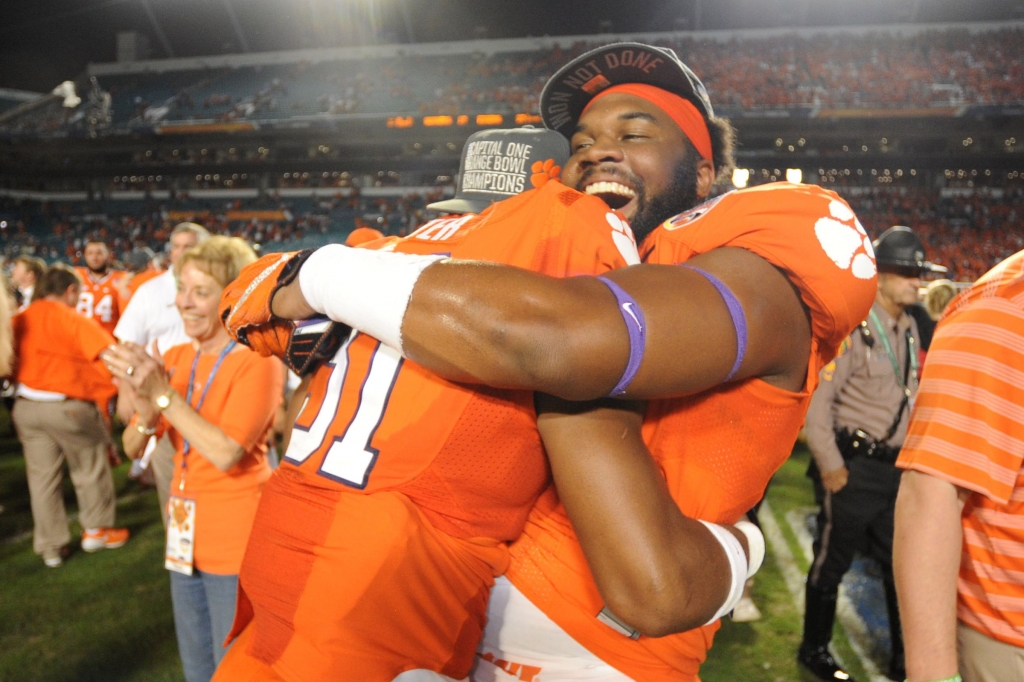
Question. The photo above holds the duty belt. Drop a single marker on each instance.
(857, 443)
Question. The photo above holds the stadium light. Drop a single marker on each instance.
(740, 177)
(794, 175)
(66, 90)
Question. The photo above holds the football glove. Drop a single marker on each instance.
(246, 301)
(302, 345)
(246, 314)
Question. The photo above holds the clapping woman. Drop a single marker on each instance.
(217, 399)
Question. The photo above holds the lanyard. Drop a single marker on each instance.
(202, 397)
(911, 354)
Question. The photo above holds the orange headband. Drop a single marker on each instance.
(683, 112)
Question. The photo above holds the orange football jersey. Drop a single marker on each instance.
(717, 449)
(377, 540)
(99, 298)
(140, 278)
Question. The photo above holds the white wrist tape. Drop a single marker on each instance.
(737, 565)
(367, 290)
(755, 546)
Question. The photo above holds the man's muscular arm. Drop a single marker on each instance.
(657, 570)
(506, 327)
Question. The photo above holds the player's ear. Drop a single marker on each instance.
(705, 177)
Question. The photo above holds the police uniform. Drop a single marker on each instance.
(858, 419)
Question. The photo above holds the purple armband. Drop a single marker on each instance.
(739, 320)
(637, 329)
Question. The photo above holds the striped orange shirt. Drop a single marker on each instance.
(968, 428)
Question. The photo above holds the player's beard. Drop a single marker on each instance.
(679, 196)
(100, 271)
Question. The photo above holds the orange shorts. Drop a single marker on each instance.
(339, 586)
(239, 666)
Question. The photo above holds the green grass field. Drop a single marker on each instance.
(107, 616)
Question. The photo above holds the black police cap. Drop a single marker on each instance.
(900, 249)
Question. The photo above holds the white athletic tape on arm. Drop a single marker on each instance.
(755, 546)
(737, 565)
(365, 289)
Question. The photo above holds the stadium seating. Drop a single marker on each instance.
(963, 229)
(948, 67)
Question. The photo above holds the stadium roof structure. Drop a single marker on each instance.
(45, 42)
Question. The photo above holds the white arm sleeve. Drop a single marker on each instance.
(367, 290)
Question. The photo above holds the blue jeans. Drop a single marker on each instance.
(204, 607)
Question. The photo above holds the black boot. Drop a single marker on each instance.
(819, 615)
(897, 664)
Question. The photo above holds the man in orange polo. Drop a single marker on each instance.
(60, 379)
(959, 543)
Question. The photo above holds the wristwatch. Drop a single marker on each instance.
(164, 401)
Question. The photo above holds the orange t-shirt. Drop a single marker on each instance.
(241, 402)
(717, 449)
(408, 485)
(966, 429)
(58, 350)
(100, 299)
(141, 278)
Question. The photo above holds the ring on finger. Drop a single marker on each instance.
(130, 371)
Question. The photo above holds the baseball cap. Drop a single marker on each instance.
(140, 258)
(498, 164)
(362, 235)
(566, 94)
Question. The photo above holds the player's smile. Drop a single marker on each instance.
(624, 151)
(614, 187)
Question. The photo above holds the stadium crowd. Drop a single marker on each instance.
(951, 67)
(58, 231)
(966, 230)
(877, 70)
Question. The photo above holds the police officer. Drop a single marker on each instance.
(855, 426)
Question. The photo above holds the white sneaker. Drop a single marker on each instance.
(53, 559)
(746, 611)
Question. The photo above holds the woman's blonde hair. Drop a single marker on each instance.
(220, 257)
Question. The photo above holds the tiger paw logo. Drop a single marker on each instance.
(623, 238)
(544, 171)
(178, 512)
(845, 241)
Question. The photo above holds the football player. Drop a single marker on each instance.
(378, 539)
(742, 300)
(99, 298)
